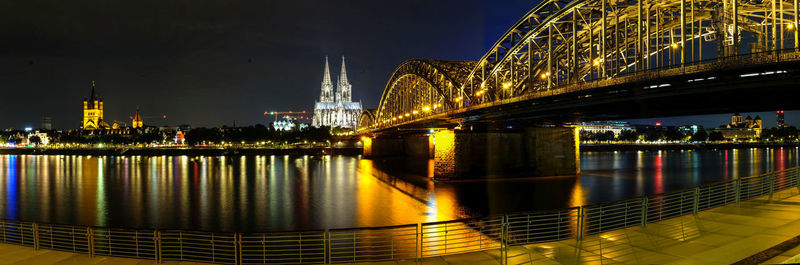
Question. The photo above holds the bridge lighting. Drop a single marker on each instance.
(435, 106)
(415, 112)
(790, 26)
(506, 84)
(458, 99)
(674, 45)
(545, 75)
(426, 109)
(596, 62)
(408, 114)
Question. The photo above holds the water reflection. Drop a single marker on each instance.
(279, 193)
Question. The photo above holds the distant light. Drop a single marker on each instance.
(510, 127)
(658, 124)
(28, 129)
(430, 131)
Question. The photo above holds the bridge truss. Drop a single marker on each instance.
(568, 42)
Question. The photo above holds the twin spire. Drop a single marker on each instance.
(343, 86)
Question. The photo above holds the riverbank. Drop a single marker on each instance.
(680, 146)
(182, 151)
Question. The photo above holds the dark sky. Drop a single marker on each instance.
(208, 63)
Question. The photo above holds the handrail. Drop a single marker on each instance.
(410, 241)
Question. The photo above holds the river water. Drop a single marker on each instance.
(282, 193)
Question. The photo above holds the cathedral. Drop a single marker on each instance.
(336, 109)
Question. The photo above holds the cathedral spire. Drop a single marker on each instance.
(343, 93)
(343, 77)
(327, 85)
(326, 78)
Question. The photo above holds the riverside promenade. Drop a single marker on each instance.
(723, 235)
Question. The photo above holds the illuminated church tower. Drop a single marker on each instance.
(93, 112)
(137, 120)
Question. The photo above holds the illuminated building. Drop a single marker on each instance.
(779, 115)
(137, 120)
(748, 129)
(604, 126)
(336, 109)
(180, 137)
(288, 124)
(93, 112)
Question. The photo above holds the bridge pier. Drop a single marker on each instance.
(534, 151)
(413, 146)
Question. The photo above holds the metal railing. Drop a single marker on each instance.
(403, 242)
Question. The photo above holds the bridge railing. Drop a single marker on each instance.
(403, 242)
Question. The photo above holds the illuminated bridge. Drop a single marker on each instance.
(572, 60)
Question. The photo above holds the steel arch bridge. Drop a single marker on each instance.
(566, 43)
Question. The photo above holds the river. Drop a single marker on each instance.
(283, 193)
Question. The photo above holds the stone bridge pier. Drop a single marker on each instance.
(461, 154)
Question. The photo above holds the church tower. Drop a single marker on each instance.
(92, 111)
(137, 120)
(327, 85)
(343, 93)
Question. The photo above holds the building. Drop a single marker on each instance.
(137, 120)
(336, 109)
(689, 129)
(748, 123)
(780, 122)
(289, 124)
(93, 112)
(47, 123)
(738, 129)
(604, 126)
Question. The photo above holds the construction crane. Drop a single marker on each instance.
(287, 114)
(164, 116)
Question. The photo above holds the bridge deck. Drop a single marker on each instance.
(722, 235)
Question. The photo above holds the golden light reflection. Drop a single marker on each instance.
(578, 197)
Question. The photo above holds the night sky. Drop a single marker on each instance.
(208, 63)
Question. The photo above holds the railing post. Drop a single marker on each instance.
(504, 236)
(157, 238)
(696, 200)
(644, 211)
(326, 247)
(90, 240)
(237, 246)
(419, 241)
(737, 190)
(35, 232)
(580, 224)
(771, 185)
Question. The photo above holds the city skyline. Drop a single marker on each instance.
(226, 62)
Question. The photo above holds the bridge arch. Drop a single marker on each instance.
(576, 41)
(419, 88)
(366, 119)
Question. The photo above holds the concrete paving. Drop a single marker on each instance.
(722, 235)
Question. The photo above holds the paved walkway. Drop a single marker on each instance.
(721, 235)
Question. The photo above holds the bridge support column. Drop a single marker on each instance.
(496, 154)
(414, 146)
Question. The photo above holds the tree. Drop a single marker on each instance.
(700, 136)
(628, 135)
(35, 140)
(673, 134)
(715, 136)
